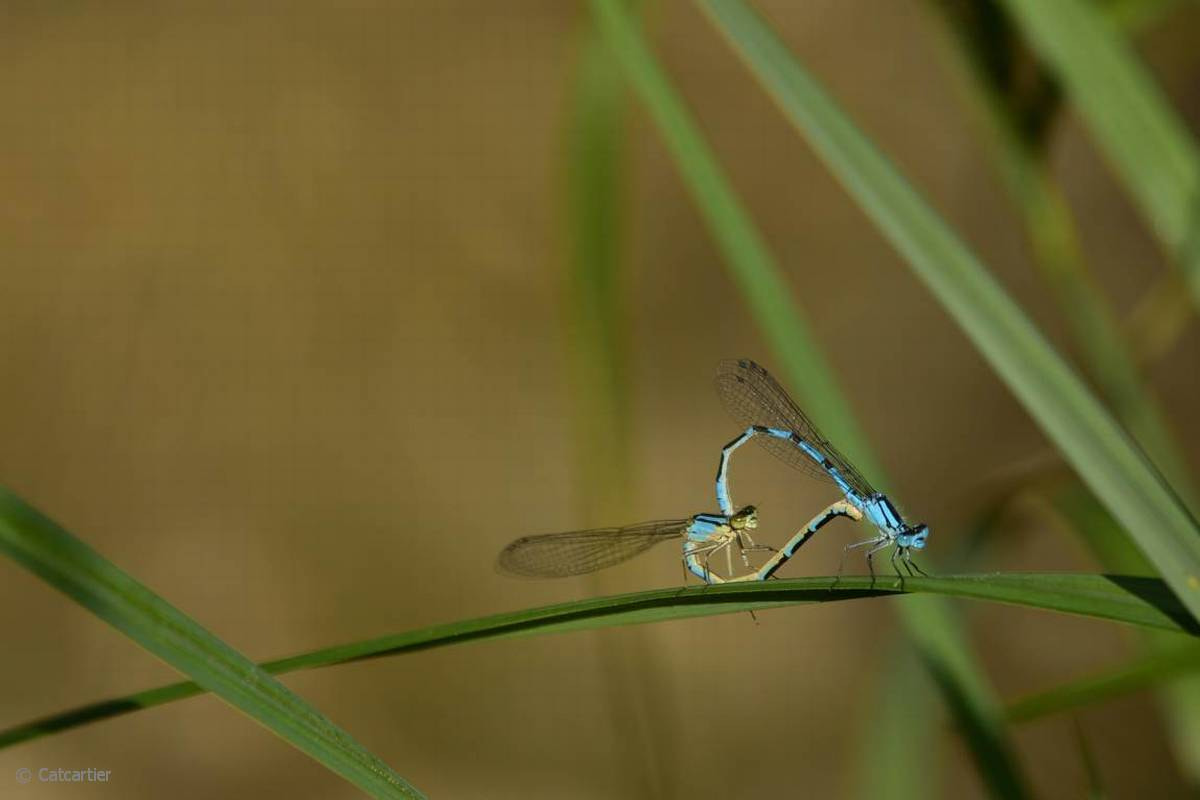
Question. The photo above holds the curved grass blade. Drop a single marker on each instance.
(1160, 667)
(1092, 442)
(1144, 140)
(760, 281)
(1143, 602)
(70, 566)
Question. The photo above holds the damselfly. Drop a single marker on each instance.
(560, 555)
(755, 399)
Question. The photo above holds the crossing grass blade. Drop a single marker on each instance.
(1159, 667)
(1017, 112)
(1018, 100)
(70, 566)
(1145, 141)
(767, 296)
(1091, 441)
(1138, 601)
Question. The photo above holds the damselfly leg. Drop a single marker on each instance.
(871, 556)
(747, 545)
(908, 562)
(900, 575)
(707, 551)
(846, 550)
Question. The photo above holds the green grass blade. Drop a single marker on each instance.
(1144, 140)
(1135, 16)
(938, 644)
(1159, 319)
(1095, 781)
(596, 351)
(1155, 669)
(596, 317)
(1017, 114)
(1143, 602)
(1179, 700)
(1092, 442)
(899, 720)
(766, 294)
(70, 566)
(750, 263)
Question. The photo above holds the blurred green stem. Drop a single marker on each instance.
(1160, 317)
(596, 355)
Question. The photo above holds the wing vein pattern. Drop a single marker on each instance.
(753, 397)
(559, 555)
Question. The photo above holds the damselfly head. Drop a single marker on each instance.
(745, 518)
(914, 537)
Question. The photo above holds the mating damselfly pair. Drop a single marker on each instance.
(757, 401)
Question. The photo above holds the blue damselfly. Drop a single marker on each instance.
(756, 400)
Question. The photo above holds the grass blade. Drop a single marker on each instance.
(898, 718)
(597, 354)
(1092, 442)
(1017, 113)
(760, 281)
(750, 263)
(70, 566)
(1179, 700)
(1144, 140)
(596, 315)
(1143, 602)
(1159, 667)
(969, 699)
(1095, 781)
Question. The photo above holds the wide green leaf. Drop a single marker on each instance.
(70, 566)
(1088, 437)
(1144, 602)
(1145, 141)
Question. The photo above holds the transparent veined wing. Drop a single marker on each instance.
(559, 555)
(753, 397)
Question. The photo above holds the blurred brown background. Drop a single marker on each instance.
(283, 336)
